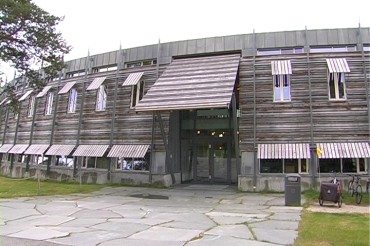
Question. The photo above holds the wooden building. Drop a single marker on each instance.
(243, 109)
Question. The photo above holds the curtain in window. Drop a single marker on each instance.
(101, 98)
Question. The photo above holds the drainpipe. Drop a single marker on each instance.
(31, 133)
(254, 113)
(367, 89)
(6, 124)
(119, 65)
(87, 65)
(54, 119)
(4, 133)
(313, 160)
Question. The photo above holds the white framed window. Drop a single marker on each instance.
(72, 101)
(337, 86)
(267, 52)
(31, 106)
(330, 49)
(137, 93)
(88, 162)
(101, 98)
(49, 103)
(284, 165)
(132, 164)
(281, 88)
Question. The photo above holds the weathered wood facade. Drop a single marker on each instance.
(308, 117)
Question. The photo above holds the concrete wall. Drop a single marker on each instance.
(276, 183)
(88, 176)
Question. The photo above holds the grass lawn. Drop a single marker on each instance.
(334, 229)
(10, 187)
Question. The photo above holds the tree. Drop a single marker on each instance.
(28, 38)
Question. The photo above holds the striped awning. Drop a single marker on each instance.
(3, 101)
(284, 151)
(60, 150)
(338, 65)
(44, 91)
(343, 150)
(133, 79)
(36, 149)
(193, 83)
(96, 83)
(18, 149)
(128, 151)
(281, 67)
(25, 95)
(5, 148)
(91, 150)
(67, 87)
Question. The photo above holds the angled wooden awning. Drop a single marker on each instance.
(128, 151)
(67, 87)
(5, 148)
(281, 67)
(284, 151)
(44, 91)
(36, 149)
(343, 150)
(96, 83)
(25, 95)
(60, 150)
(193, 83)
(91, 150)
(133, 79)
(338, 65)
(18, 149)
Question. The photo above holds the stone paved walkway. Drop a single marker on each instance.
(190, 215)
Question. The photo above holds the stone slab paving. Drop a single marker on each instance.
(193, 215)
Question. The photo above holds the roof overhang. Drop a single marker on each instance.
(193, 83)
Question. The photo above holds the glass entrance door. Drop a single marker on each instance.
(211, 163)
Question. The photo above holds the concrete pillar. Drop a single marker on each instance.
(247, 163)
(158, 165)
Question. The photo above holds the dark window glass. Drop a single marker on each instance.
(271, 166)
(329, 165)
(349, 165)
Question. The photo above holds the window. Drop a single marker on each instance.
(72, 101)
(266, 52)
(49, 103)
(138, 164)
(31, 106)
(328, 49)
(66, 161)
(343, 165)
(283, 165)
(101, 98)
(366, 47)
(281, 88)
(140, 63)
(137, 93)
(337, 87)
(94, 162)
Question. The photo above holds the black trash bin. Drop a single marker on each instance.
(292, 189)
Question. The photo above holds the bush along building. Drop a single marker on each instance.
(243, 109)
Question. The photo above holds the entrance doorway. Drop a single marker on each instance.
(212, 163)
(207, 149)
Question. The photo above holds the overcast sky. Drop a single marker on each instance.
(101, 25)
